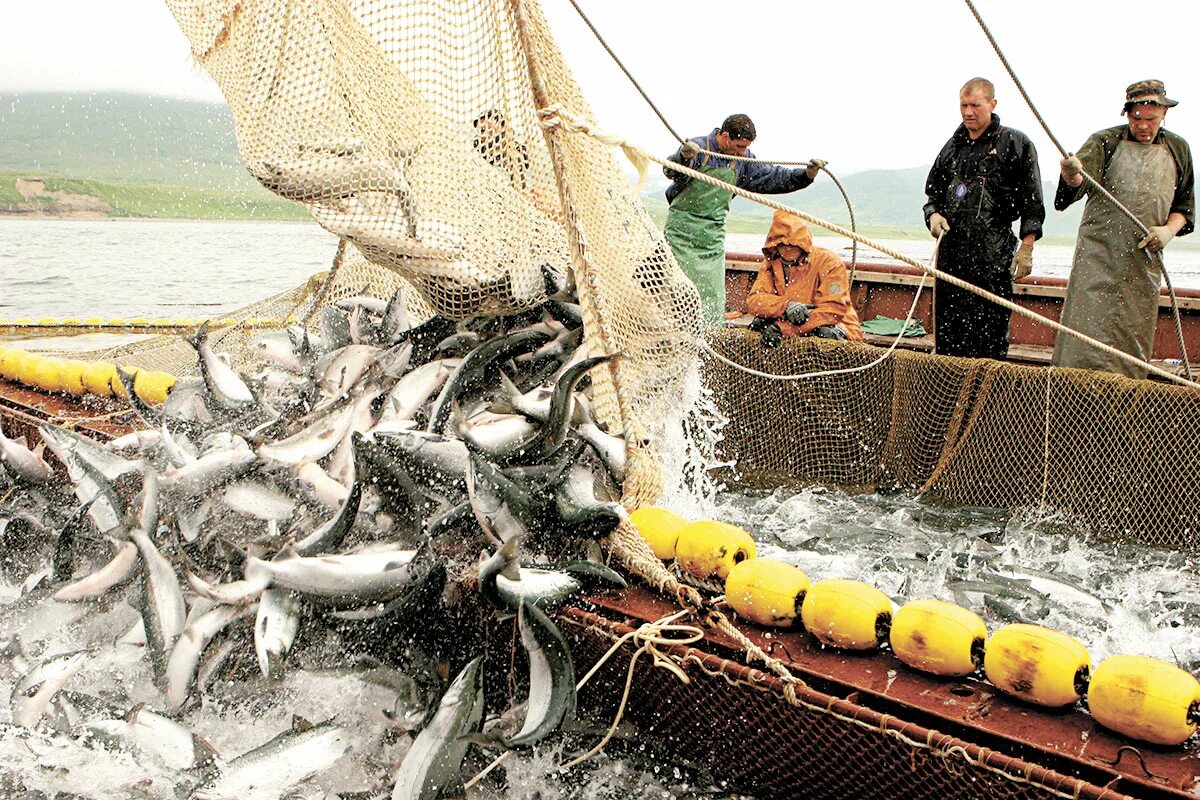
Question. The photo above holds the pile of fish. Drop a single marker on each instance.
(369, 481)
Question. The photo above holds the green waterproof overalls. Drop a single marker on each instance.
(1113, 292)
(696, 232)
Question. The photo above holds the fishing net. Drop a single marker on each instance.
(1100, 452)
(428, 137)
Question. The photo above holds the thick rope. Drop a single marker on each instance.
(1093, 184)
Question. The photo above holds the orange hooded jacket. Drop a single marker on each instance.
(821, 280)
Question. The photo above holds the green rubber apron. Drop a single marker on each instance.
(696, 232)
(1113, 292)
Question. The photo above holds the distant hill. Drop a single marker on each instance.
(154, 156)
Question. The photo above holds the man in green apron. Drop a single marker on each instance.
(696, 219)
(1113, 292)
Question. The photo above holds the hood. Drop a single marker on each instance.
(787, 228)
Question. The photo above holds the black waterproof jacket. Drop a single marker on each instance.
(987, 184)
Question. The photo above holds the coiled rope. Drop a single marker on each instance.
(681, 140)
(1093, 184)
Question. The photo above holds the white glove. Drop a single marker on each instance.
(1157, 239)
(938, 226)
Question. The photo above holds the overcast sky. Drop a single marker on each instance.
(866, 85)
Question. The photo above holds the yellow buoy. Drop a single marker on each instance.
(849, 614)
(72, 377)
(49, 322)
(766, 591)
(8, 362)
(710, 549)
(93, 321)
(160, 322)
(1144, 698)
(1037, 664)
(938, 637)
(153, 386)
(140, 322)
(70, 321)
(18, 365)
(660, 528)
(22, 321)
(117, 322)
(99, 377)
(45, 373)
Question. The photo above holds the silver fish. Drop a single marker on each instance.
(275, 628)
(551, 678)
(185, 655)
(146, 733)
(223, 382)
(271, 768)
(432, 766)
(119, 569)
(23, 463)
(34, 690)
(350, 579)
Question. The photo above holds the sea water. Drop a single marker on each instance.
(1115, 598)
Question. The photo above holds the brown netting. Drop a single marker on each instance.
(805, 744)
(1109, 453)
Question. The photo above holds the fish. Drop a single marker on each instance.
(147, 734)
(478, 369)
(432, 767)
(225, 386)
(118, 570)
(331, 535)
(284, 761)
(347, 579)
(551, 678)
(21, 462)
(275, 626)
(325, 176)
(185, 655)
(33, 691)
(163, 609)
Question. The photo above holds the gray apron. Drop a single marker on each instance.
(1113, 292)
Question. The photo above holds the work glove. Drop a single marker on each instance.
(689, 150)
(814, 166)
(771, 336)
(1071, 166)
(938, 226)
(795, 313)
(1157, 239)
(1022, 263)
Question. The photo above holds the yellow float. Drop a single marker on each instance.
(1144, 698)
(711, 549)
(660, 528)
(766, 591)
(1037, 664)
(938, 637)
(848, 614)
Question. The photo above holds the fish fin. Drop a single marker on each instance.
(131, 714)
(512, 565)
(300, 724)
(206, 755)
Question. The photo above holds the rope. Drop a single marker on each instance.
(1093, 184)
(681, 140)
(338, 259)
(649, 634)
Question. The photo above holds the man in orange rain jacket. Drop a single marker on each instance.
(801, 290)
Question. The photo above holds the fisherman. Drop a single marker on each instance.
(1113, 292)
(495, 142)
(801, 290)
(984, 179)
(696, 219)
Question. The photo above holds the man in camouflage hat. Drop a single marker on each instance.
(1113, 292)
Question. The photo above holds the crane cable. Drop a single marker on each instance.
(1092, 184)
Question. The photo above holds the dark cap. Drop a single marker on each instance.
(1148, 91)
(739, 126)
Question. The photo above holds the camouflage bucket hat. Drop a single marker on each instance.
(1148, 91)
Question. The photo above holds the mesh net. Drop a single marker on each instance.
(426, 136)
(1104, 452)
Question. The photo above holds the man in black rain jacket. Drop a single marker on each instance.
(984, 179)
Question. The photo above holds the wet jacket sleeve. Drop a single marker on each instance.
(1028, 183)
(937, 183)
(679, 181)
(831, 297)
(764, 299)
(1184, 201)
(771, 178)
